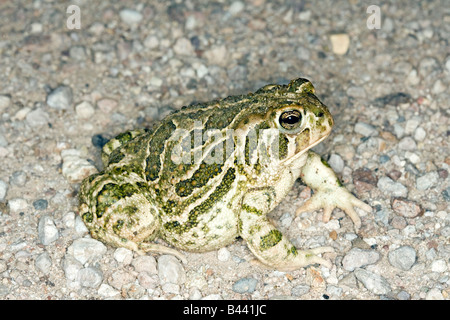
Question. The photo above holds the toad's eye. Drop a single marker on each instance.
(291, 119)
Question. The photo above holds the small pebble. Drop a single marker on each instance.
(60, 98)
(121, 278)
(392, 188)
(145, 264)
(40, 204)
(47, 230)
(357, 258)
(17, 205)
(84, 110)
(236, 7)
(434, 294)
(402, 258)
(3, 190)
(427, 181)
(223, 254)
(107, 105)
(336, 163)
(71, 266)
(171, 270)
(365, 129)
(406, 208)
(18, 178)
(439, 266)
(364, 180)
(373, 282)
(106, 291)
(408, 144)
(245, 285)
(300, 290)
(123, 255)
(86, 249)
(75, 168)
(90, 277)
(130, 17)
(43, 262)
(183, 47)
(37, 118)
(398, 222)
(5, 101)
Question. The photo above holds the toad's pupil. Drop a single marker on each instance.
(291, 119)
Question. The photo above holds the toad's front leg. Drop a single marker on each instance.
(329, 193)
(267, 243)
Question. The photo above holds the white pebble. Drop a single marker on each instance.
(17, 205)
(420, 134)
(223, 254)
(60, 98)
(130, 17)
(84, 110)
(123, 255)
(47, 230)
(439, 266)
(86, 249)
(3, 189)
(170, 270)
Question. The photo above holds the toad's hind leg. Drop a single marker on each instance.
(123, 214)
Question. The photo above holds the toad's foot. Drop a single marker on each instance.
(336, 198)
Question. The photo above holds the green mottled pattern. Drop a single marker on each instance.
(270, 240)
(220, 191)
(111, 193)
(200, 178)
(156, 148)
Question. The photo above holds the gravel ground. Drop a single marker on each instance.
(64, 91)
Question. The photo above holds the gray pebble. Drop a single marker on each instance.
(402, 258)
(334, 291)
(80, 227)
(47, 230)
(5, 101)
(86, 249)
(40, 204)
(403, 295)
(77, 53)
(336, 163)
(60, 98)
(373, 282)
(357, 258)
(365, 129)
(408, 144)
(106, 291)
(90, 277)
(170, 270)
(3, 189)
(427, 180)
(3, 265)
(84, 110)
(3, 141)
(37, 118)
(245, 285)
(120, 278)
(145, 264)
(18, 178)
(300, 290)
(391, 187)
(446, 194)
(43, 262)
(71, 266)
(4, 290)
